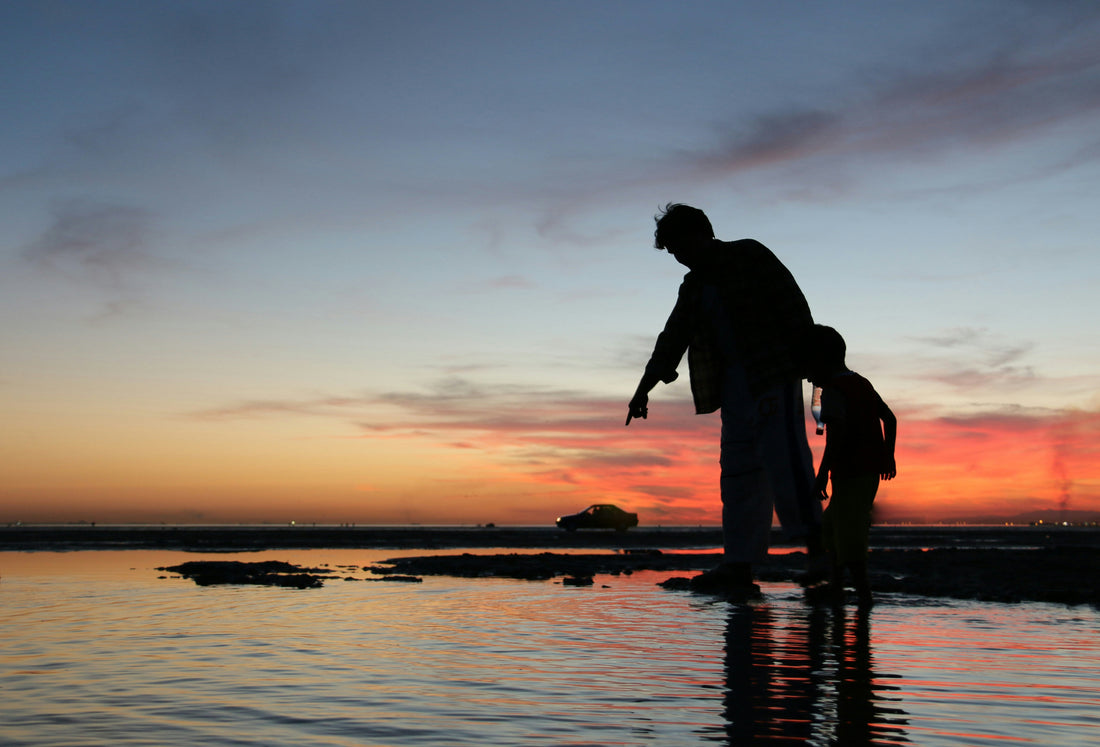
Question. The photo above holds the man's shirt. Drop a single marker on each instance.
(765, 311)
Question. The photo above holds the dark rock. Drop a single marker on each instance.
(540, 566)
(261, 573)
(676, 583)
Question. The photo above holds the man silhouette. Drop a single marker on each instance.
(742, 319)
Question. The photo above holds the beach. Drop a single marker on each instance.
(527, 636)
(1004, 564)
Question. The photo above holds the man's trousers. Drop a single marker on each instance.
(766, 462)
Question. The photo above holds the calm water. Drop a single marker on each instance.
(98, 650)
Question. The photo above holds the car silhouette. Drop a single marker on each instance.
(599, 516)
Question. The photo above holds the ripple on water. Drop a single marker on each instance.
(118, 656)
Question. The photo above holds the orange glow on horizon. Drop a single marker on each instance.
(515, 464)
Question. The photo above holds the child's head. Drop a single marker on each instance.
(827, 350)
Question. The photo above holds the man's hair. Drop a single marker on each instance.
(677, 221)
(827, 347)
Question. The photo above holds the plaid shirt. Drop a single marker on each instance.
(767, 313)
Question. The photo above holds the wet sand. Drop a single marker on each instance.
(1005, 564)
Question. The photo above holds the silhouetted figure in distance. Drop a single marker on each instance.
(742, 320)
(860, 434)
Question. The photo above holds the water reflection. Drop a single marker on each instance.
(806, 677)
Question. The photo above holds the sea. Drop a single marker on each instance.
(100, 647)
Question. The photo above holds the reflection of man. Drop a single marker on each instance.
(771, 693)
(741, 318)
(776, 683)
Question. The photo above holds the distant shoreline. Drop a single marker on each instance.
(244, 538)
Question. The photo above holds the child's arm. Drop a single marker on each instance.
(821, 484)
(832, 415)
(890, 431)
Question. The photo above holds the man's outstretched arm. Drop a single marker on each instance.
(670, 347)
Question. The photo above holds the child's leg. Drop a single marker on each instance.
(860, 581)
(849, 517)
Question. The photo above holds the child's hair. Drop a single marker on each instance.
(678, 220)
(827, 347)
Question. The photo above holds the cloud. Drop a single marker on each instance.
(775, 137)
(565, 440)
(980, 86)
(968, 358)
(1006, 460)
(951, 338)
(529, 435)
(1022, 80)
(501, 282)
(101, 243)
(971, 378)
(319, 407)
(663, 491)
(571, 447)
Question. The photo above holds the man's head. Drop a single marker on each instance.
(683, 231)
(826, 353)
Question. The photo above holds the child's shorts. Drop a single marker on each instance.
(847, 521)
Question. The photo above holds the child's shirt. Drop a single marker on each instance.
(857, 446)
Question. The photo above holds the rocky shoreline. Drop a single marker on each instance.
(1062, 575)
(1004, 564)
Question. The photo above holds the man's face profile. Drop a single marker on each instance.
(688, 250)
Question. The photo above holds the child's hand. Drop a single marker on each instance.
(890, 471)
(821, 484)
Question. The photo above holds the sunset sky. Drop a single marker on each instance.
(382, 262)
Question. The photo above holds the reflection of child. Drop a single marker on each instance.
(857, 455)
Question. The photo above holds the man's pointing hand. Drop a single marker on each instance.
(638, 408)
